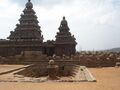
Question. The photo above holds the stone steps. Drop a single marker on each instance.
(89, 77)
(83, 74)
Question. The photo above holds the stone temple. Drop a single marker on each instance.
(27, 36)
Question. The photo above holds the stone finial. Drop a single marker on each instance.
(51, 62)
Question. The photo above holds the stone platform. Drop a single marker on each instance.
(81, 74)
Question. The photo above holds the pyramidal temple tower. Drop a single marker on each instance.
(26, 36)
(28, 27)
(65, 43)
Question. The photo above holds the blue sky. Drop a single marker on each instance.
(94, 23)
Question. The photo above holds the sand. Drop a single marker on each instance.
(107, 79)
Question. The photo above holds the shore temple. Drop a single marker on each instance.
(27, 36)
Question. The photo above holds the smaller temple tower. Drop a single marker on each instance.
(65, 43)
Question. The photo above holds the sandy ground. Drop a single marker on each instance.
(107, 79)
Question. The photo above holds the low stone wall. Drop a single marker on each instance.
(89, 60)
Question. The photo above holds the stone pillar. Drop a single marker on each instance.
(52, 70)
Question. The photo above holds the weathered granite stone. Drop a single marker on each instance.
(52, 70)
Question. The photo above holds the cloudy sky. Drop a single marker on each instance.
(94, 23)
